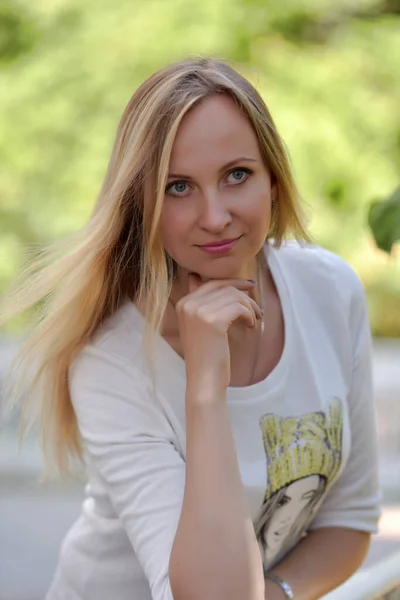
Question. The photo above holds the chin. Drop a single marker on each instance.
(221, 268)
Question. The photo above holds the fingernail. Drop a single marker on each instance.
(252, 281)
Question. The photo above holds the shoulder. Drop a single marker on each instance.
(115, 345)
(110, 383)
(321, 271)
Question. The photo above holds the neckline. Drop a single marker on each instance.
(171, 362)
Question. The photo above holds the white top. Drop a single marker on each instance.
(293, 433)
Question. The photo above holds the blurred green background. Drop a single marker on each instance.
(329, 72)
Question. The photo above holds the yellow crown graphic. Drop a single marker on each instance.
(303, 446)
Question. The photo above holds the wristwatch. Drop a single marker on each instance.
(285, 587)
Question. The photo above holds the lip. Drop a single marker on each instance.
(219, 247)
(221, 243)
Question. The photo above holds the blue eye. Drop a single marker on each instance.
(240, 175)
(180, 188)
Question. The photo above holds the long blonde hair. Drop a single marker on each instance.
(83, 279)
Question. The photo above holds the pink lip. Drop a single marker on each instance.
(219, 247)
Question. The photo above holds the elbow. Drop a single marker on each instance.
(188, 581)
(209, 572)
(363, 546)
(181, 587)
(175, 580)
(184, 581)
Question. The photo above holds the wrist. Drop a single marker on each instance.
(199, 393)
(277, 588)
(273, 591)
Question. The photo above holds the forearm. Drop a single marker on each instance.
(320, 562)
(215, 552)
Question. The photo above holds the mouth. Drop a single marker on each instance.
(219, 244)
(222, 247)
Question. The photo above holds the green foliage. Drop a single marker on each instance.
(384, 220)
(18, 33)
(328, 72)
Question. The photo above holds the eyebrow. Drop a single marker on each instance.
(229, 164)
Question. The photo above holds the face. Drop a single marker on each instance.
(297, 497)
(218, 189)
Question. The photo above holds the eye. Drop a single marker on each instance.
(283, 501)
(239, 175)
(177, 188)
(309, 496)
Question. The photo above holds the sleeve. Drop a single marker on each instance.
(354, 499)
(131, 443)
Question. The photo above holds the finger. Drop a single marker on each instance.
(234, 311)
(223, 316)
(259, 313)
(240, 296)
(224, 297)
(225, 292)
(215, 284)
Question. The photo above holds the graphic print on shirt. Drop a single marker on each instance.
(304, 455)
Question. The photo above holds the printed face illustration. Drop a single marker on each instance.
(303, 456)
(297, 496)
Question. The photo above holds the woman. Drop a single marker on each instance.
(303, 456)
(186, 252)
(287, 515)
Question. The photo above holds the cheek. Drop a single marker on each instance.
(256, 202)
(276, 516)
(257, 220)
(174, 224)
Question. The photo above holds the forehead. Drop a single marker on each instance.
(212, 133)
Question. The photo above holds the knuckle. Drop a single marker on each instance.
(181, 306)
(205, 315)
(184, 306)
(210, 320)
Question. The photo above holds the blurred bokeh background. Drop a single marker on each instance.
(330, 74)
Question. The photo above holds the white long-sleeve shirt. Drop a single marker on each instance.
(305, 436)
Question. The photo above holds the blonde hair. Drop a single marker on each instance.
(84, 278)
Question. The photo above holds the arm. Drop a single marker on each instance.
(130, 444)
(339, 535)
(133, 449)
(215, 553)
(354, 499)
(319, 563)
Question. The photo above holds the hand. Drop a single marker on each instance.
(204, 316)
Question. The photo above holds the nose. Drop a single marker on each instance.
(214, 213)
(286, 517)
